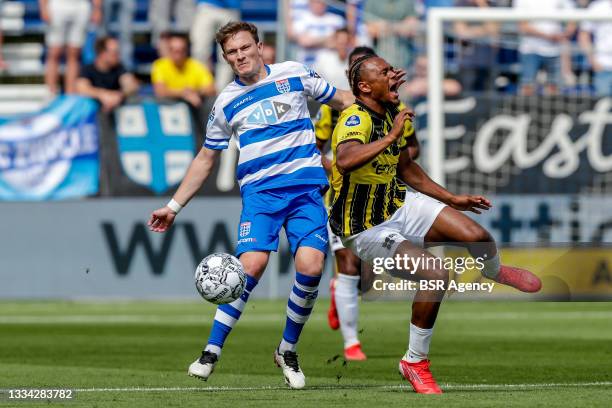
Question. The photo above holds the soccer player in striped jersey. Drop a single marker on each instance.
(281, 182)
(343, 312)
(370, 153)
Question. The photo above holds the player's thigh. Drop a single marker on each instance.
(454, 226)
(260, 223)
(376, 243)
(417, 216)
(306, 222)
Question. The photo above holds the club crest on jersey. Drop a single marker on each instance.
(283, 86)
(353, 121)
(245, 229)
(268, 112)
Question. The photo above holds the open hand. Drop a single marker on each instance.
(470, 203)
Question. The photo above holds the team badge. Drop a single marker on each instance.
(283, 86)
(353, 121)
(245, 228)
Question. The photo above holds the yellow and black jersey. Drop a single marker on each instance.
(369, 195)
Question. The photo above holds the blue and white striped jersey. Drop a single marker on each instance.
(271, 124)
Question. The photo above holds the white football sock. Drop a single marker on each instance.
(286, 346)
(213, 349)
(491, 267)
(347, 304)
(418, 344)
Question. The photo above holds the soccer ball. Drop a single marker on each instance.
(220, 278)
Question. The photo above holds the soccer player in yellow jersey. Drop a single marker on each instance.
(343, 311)
(370, 152)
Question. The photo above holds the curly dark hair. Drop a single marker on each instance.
(354, 72)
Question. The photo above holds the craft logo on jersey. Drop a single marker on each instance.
(268, 112)
(353, 120)
(245, 229)
(156, 143)
(283, 86)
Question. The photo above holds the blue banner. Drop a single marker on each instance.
(52, 154)
(156, 143)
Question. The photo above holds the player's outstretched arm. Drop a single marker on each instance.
(341, 100)
(351, 155)
(412, 174)
(199, 170)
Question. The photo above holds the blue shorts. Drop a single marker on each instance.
(300, 210)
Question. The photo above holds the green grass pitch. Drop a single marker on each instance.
(136, 354)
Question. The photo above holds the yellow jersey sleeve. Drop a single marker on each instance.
(354, 125)
(323, 123)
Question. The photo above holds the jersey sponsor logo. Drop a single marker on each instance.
(245, 228)
(353, 120)
(353, 133)
(283, 86)
(243, 101)
(268, 112)
(211, 116)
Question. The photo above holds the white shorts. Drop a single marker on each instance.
(411, 222)
(335, 243)
(69, 21)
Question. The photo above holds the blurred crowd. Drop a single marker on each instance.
(321, 34)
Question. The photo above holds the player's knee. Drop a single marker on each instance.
(254, 266)
(310, 269)
(476, 233)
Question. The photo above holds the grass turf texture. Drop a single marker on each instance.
(477, 347)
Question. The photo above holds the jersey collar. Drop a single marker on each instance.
(239, 82)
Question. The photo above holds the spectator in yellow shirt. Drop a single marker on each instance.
(180, 76)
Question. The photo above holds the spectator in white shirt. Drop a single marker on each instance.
(542, 44)
(599, 48)
(314, 29)
(332, 63)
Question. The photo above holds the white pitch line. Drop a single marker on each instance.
(348, 386)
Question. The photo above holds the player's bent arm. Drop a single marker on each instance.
(341, 100)
(197, 173)
(353, 154)
(412, 174)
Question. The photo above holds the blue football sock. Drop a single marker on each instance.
(301, 301)
(226, 317)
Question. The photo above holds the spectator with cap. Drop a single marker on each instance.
(179, 76)
(106, 80)
(66, 30)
